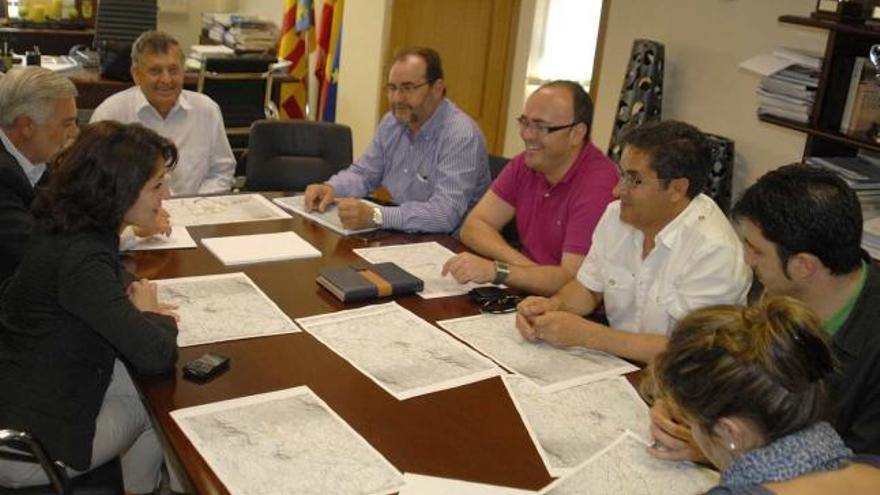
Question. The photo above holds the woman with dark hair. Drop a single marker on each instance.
(750, 383)
(70, 320)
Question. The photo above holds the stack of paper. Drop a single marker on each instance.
(260, 248)
(789, 85)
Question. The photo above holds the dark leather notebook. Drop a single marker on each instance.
(364, 281)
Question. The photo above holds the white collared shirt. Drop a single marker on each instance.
(33, 171)
(697, 261)
(194, 124)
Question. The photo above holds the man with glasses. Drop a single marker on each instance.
(661, 251)
(428, 154)
(557, 190)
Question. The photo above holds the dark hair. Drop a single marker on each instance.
(677, 150)
(433, 65)
(94, 182)
(582, 104)
(766, 363)
(804, 209)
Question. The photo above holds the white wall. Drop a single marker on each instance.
(705, 42)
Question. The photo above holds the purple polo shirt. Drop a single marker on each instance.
(552, 220)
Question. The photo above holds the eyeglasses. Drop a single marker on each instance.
(632, 180)
(404, 89)
(500, 305)
(541, 127)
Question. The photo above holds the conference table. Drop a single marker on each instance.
(472, 432)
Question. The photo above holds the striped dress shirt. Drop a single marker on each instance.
(435, 176)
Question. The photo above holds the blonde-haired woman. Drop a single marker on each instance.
(750, 383)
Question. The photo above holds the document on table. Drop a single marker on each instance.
(217, 308)
(625, 467)
(418, 484)
(402, 353)
(424, 260)
(179, 239)
(570, 426)
(231, 208)
(549, 367)
(260, 248)
(328, 218)
(287, 441)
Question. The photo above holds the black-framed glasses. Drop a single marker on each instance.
(404, 89)
(541, 127)
(500, 305)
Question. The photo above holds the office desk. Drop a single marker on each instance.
(50, 41)
(471, 432)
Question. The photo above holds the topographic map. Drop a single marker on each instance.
(232, 208)
(216, 308)
(284, 442)
(328, 218)
(625, 467)
(402, 353)
(571, 425)
(424, 260)
(551, 368)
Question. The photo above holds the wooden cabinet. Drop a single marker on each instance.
(845, 43)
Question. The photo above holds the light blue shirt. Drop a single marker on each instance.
(32, 171)
(435, 176)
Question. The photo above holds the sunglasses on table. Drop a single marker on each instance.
(494, 300)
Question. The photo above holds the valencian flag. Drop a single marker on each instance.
(327, 95)
(297, 37)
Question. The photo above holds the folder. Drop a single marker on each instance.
(365, 281)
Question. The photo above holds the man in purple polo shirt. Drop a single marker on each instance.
(557, 189)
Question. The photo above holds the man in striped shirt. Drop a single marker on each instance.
(427, 153)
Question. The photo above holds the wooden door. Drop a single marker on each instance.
(476, 40)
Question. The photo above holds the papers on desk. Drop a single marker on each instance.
(625, 467)
(550, 368)
(424, 260)
(232, 208)
(217, 308)
(179, 239)
(328, 218)
(260, 248)
(287, 441)
(417, 484)
(571, 425)
(402, 353)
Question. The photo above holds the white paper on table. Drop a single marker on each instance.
(550, 368)
(328, 218)
(424, 260)
(260, 248)
(402, 353)
(570, 426)
(179, 239)
(231, 208)
(626, 467)
(288, 441)
(217, 308)
(419, 484)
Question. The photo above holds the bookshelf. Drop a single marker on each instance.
(845, 42)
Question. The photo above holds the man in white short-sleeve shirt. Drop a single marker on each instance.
(191, 120)
(659, 252)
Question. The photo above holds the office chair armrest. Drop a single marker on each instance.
(14, 439)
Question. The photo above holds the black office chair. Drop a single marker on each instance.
(242, 86)
(104, 480)
(509, 232)
(288, 155)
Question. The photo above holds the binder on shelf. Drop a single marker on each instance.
(365, 281)
(862, 106)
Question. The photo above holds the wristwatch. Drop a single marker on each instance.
(502, 271)
(377, 216)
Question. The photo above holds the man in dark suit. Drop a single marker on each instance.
(37, 118)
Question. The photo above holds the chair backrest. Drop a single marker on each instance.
(496, 164)
(103, 480)
(288, 155)
(242, 86)
(509, 232)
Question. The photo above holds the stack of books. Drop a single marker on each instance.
(862, 173)
(243, 33)
(790, 92)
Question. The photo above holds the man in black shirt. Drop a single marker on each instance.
(37, 118)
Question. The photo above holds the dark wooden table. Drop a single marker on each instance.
(471, 432)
